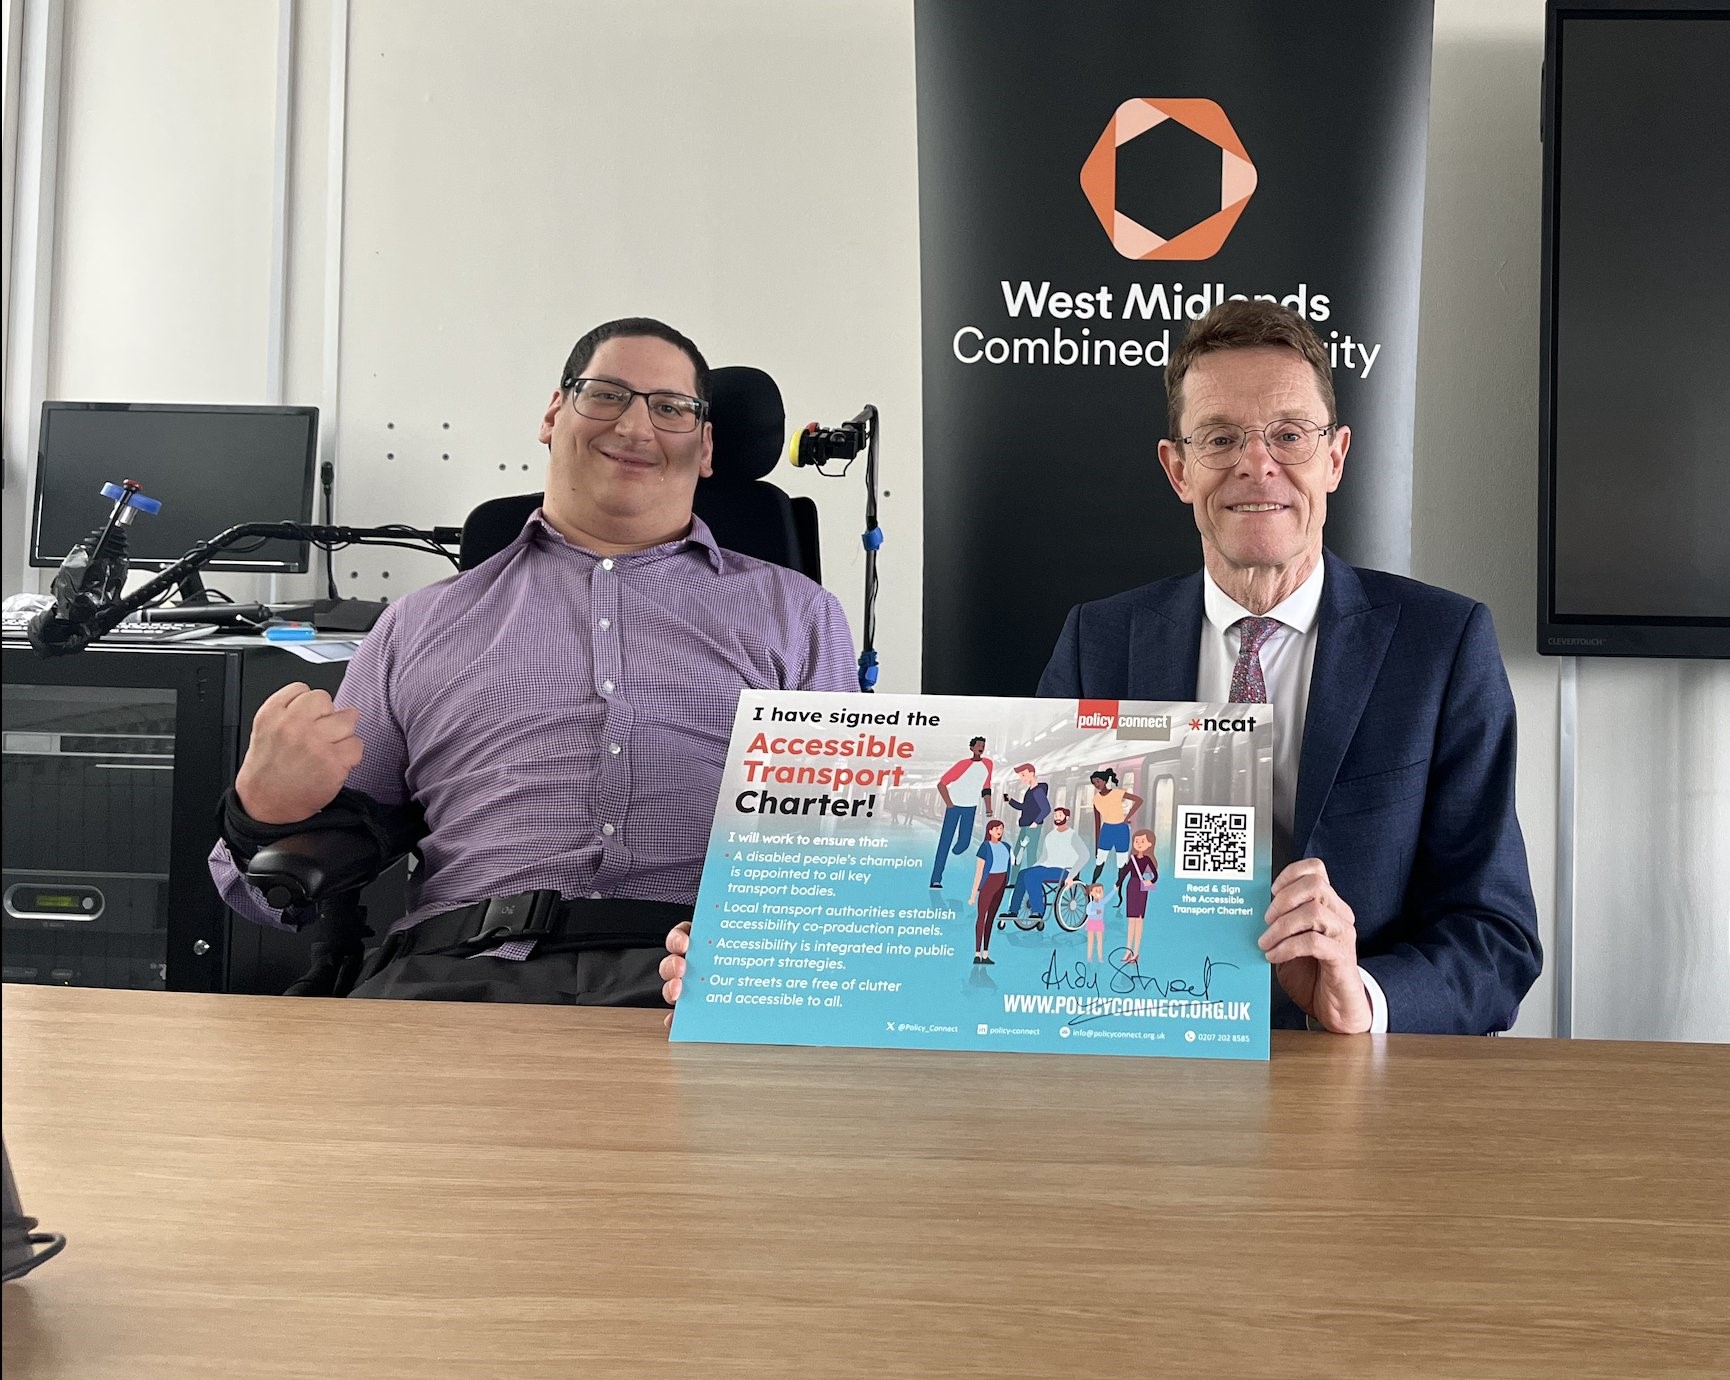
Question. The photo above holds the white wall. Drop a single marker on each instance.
(1652, 937)
(165, 203)
(11, 49)
(516, 173)
(162, 218)
(1474, 482)
(1652, 885)
(519, 173)
(31, 106)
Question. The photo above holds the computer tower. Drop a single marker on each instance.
(114, 760)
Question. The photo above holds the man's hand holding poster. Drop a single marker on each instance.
(942, 872)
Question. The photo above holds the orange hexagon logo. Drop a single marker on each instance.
(1236, 179)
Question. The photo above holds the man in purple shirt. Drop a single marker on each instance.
(560, 712)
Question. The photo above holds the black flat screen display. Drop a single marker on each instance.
(1637, 429)
(211, 468)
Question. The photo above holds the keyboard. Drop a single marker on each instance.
(127, 634)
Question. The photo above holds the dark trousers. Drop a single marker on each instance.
(957, 828)
(592, 977)
(990, 894)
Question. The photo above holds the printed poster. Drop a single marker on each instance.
(1092, 179)
(949, 872)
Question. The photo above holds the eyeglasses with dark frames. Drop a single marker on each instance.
(606, 400)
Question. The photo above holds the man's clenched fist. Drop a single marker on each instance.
(301, 753)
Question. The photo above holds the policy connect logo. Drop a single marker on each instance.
(1135, 118)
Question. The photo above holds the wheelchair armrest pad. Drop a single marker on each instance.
(304, 869)
(341, 848)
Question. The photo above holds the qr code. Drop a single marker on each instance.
(1215, 841)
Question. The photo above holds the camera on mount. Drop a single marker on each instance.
(817, 445)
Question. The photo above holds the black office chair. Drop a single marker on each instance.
(328, 868)
(745, 512)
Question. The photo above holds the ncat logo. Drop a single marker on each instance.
(1222, 725)
(1099, 180)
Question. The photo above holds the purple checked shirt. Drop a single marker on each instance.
(563, 717)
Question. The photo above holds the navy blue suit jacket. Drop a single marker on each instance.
(1405, 785)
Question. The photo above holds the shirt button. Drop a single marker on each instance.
(594, 895)
(607, 564)
(607, 829)
(606, 687)
(614, 748)
(606, 623)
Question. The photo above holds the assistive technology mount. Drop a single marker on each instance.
(87, 588)
(817, 446)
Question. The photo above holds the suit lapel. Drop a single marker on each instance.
(1165, 645)
(1352, 637)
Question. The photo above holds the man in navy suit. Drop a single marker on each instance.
(1401, 898)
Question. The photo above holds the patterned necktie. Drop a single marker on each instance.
(1247, 685)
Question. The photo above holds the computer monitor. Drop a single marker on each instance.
(1634, 349)
(212, 468)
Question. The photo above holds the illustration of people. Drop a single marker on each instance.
(1095, 925)
(970, 778)
(990, 876)
(1141, 873)
(1062, 855)
(1035, 808)
(1112, 809)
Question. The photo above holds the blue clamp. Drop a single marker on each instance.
(289, 632)
(867, 671)
(873, 540)
(116, 493)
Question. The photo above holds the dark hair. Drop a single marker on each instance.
(1061, 810)
(1105, 774)
(991, 824)
(1245, 326)
(979, 739)
(584, 350)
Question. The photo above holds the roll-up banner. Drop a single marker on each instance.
(1092, 178)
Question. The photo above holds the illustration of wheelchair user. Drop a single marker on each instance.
(1053, 884)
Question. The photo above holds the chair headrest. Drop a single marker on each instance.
(750, 423)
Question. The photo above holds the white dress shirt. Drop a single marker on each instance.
(1287, 659)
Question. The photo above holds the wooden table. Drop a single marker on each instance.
(266, 1187)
